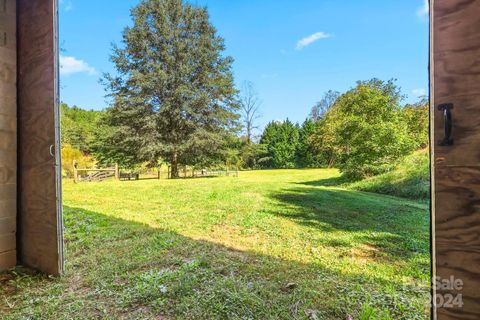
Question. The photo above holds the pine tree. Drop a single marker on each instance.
(281, 141)
(173, 95)
(307, 156)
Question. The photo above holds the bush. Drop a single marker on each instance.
(409, 179)
(365, 131)
(69, 154)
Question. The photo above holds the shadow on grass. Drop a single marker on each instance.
(395, 227)
(124, 269)
(170, 179)
(409, 187)
(329, 182)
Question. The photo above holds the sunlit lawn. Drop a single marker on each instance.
(282, 244)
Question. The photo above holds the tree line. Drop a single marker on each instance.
(362, 132)
(173, 100)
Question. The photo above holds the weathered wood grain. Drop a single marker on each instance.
(8, 133)
(8, 225)
(8, 203)
(39, 224)
(7, 259)
(8, 160)
(456, 79)
(8, 242)
(8, 90)
(457, 212)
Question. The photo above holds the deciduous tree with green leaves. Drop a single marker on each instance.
(79, 127)
(173, 95)
(321, 108)
(416, 118)
(365, 129)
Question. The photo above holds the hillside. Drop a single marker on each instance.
(410, 179)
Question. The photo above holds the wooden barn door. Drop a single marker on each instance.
(455, 110)
(8, 134)
(40, 240)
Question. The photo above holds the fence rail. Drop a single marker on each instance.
(90, 175)
(94, 174)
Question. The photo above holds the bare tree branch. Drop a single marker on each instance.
(324, 105)
(250, 109)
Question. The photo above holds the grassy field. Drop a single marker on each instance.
(283, 244)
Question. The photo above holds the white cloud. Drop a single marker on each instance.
(305, 42)
(423, 10)
(419, 92)
(71, 65)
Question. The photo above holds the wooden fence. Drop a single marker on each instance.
(185, 172)
(89, 175)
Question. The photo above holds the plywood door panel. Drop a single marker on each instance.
(7, 242)
(8, 160)
(7, 259)
(40, 225)
(8, 133)
(457, 231)
(456, 190)
(456, 40)
(8, 205)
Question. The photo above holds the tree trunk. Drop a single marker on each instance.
(331, 162)
(174, 172)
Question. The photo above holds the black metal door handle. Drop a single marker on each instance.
(448, 123)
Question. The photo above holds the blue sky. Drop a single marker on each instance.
(293, 51)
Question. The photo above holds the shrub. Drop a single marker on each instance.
(410, 179)
(69, 154)
(366, 130)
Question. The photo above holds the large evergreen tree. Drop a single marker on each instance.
(281, 142)
(173, 94)
(307, 156)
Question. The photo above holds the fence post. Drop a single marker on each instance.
(168, 172)
(159, 170)
(117, 172)
(75, 171)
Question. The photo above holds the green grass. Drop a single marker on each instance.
(280, 244)
(410, 179)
